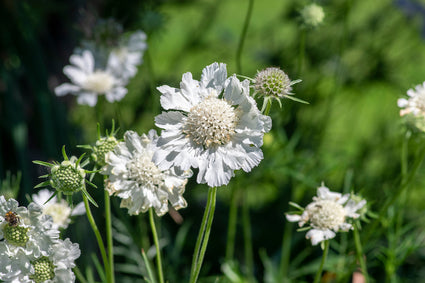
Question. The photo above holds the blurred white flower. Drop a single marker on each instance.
(128, 56)
(88, 82)
(216, 126)
(25, 230)
(415, 105)
(133, 176)
(327, 214)
(312, 15)
(60, 211)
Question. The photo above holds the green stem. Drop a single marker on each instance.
(249, 261)
(109, 235)
(322, 263)
(158, 251)
(301, 53)
(359, 252)
(286, 251)
(203, 236)
(231, 230)
(243, 36)
(98, 237)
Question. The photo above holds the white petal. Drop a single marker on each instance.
(87, 98)
(214, 76)
(116, 94)
(316, 236)
(293, 217)
(88, 61)
(402, 102)
(172, 98)
(66, 88)
(79, 209)
(75, 75)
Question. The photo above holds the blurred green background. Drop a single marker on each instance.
(356, 65)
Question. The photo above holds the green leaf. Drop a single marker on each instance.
(89, 197)
(44, 184)
(43, 163)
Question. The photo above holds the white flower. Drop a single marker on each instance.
(216, 126)
(88, 83)
(327, 214)
(126, 58)
(54, 267)
(312, 15)
(415, 105)
(25, 230)
(133, 176)
(59, 210)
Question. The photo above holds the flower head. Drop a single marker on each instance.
(133, 176)
(327, 214)
(59, 210)
(273, 83)
(67, 177)
(88, 82)
(413, 108)
(312, 15)
(25, 230)
(214, 126)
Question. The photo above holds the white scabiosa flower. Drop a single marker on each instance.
(214, 126)
(128, 56)
(60, 211)
(88, 82)
(133, 176)
(327, 214)
(413, 108)
(54, 267)
(25, 230)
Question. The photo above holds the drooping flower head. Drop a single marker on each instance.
(89, 81)
(273, 83)
(133, 176)
(213, 125)
(312, 15)
(59, 210)
(327, 214)
(413, 108)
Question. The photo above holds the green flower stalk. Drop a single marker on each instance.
(67, 177)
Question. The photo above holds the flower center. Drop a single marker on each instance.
(15, 235)
(43, 270)
(144, 171)
(99, 82)
(66, 178)
(326, 214)
(211, 122)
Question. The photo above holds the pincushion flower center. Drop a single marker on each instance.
(144, 171)
(326, 214)
(211, 122)
(99, 82)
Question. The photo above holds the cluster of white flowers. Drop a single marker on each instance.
(30, 248)
(91, 78)
(327, 214)
(60, 211)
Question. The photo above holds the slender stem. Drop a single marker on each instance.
(243, 36)
(286, 251)
(79, 275)
(231, 230)
(109, 235)
(359, 251)
(247, 239)
(98, 237)
(158, 251)
(205, 231)
(322, 263)
(301, 53)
